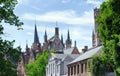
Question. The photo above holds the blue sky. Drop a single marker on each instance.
(75, 15)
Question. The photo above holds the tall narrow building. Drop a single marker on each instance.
(36, 39)
(68, 41)
(36, 46)
(45, 37)
(95, 36)
(45, 44)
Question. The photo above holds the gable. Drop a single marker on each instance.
(75, 51)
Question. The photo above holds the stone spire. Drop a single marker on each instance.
(75, 44)
(56, 30)
(45, 37)
(68, 36)
(62, 40)
(36, 39)
(68, 41)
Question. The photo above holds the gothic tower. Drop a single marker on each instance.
(95, 36)
(45, 37)
(45, 44)
(68, 41)
(57, 32)
(62, 40)
(36, 46)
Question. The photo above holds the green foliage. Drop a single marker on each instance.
(109, 24)
(97, 66)
(9, 56)
(38, 67)
(7, 14)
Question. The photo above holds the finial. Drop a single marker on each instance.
(35, 20)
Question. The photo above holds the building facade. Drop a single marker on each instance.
(57, 64)
(53, 43)
(79, 66)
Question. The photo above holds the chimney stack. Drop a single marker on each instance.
(85, 49)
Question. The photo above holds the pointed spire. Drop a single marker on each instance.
(36, 39)
(68, 36)
(75, 44)
(45, 37)
(68, 41)
(56, 30)
(62, 39)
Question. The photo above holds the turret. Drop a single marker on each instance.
(68, 41)
(56, 31)
(36, 39)
(45, 37)
(36, 44)
(62, 40)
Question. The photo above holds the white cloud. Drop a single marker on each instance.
(79, 35)
(65, 1)
(23, 1)
(68, 17)
(96, 3)
(29, 33)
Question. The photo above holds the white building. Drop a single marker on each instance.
(57, 64)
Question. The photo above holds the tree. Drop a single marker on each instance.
(38, 67)
(9, 55)
(109, 24)
(98, 67)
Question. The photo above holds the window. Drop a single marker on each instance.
(74, 70)
(81, 68)
(85, 67)
(71, 70)
(78, 68)
(68, 71)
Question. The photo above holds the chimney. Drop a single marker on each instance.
(85, 49)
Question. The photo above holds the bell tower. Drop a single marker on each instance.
(95, 36)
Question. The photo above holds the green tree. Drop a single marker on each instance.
(109, 24)
(98, 67)
(38, 67)
(9, 55)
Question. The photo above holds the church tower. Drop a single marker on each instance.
(68, 41)
(36, 46)
(45, 37)
(95, 36)
(45, 44)
(57, 32)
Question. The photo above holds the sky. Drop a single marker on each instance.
(75, 15)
